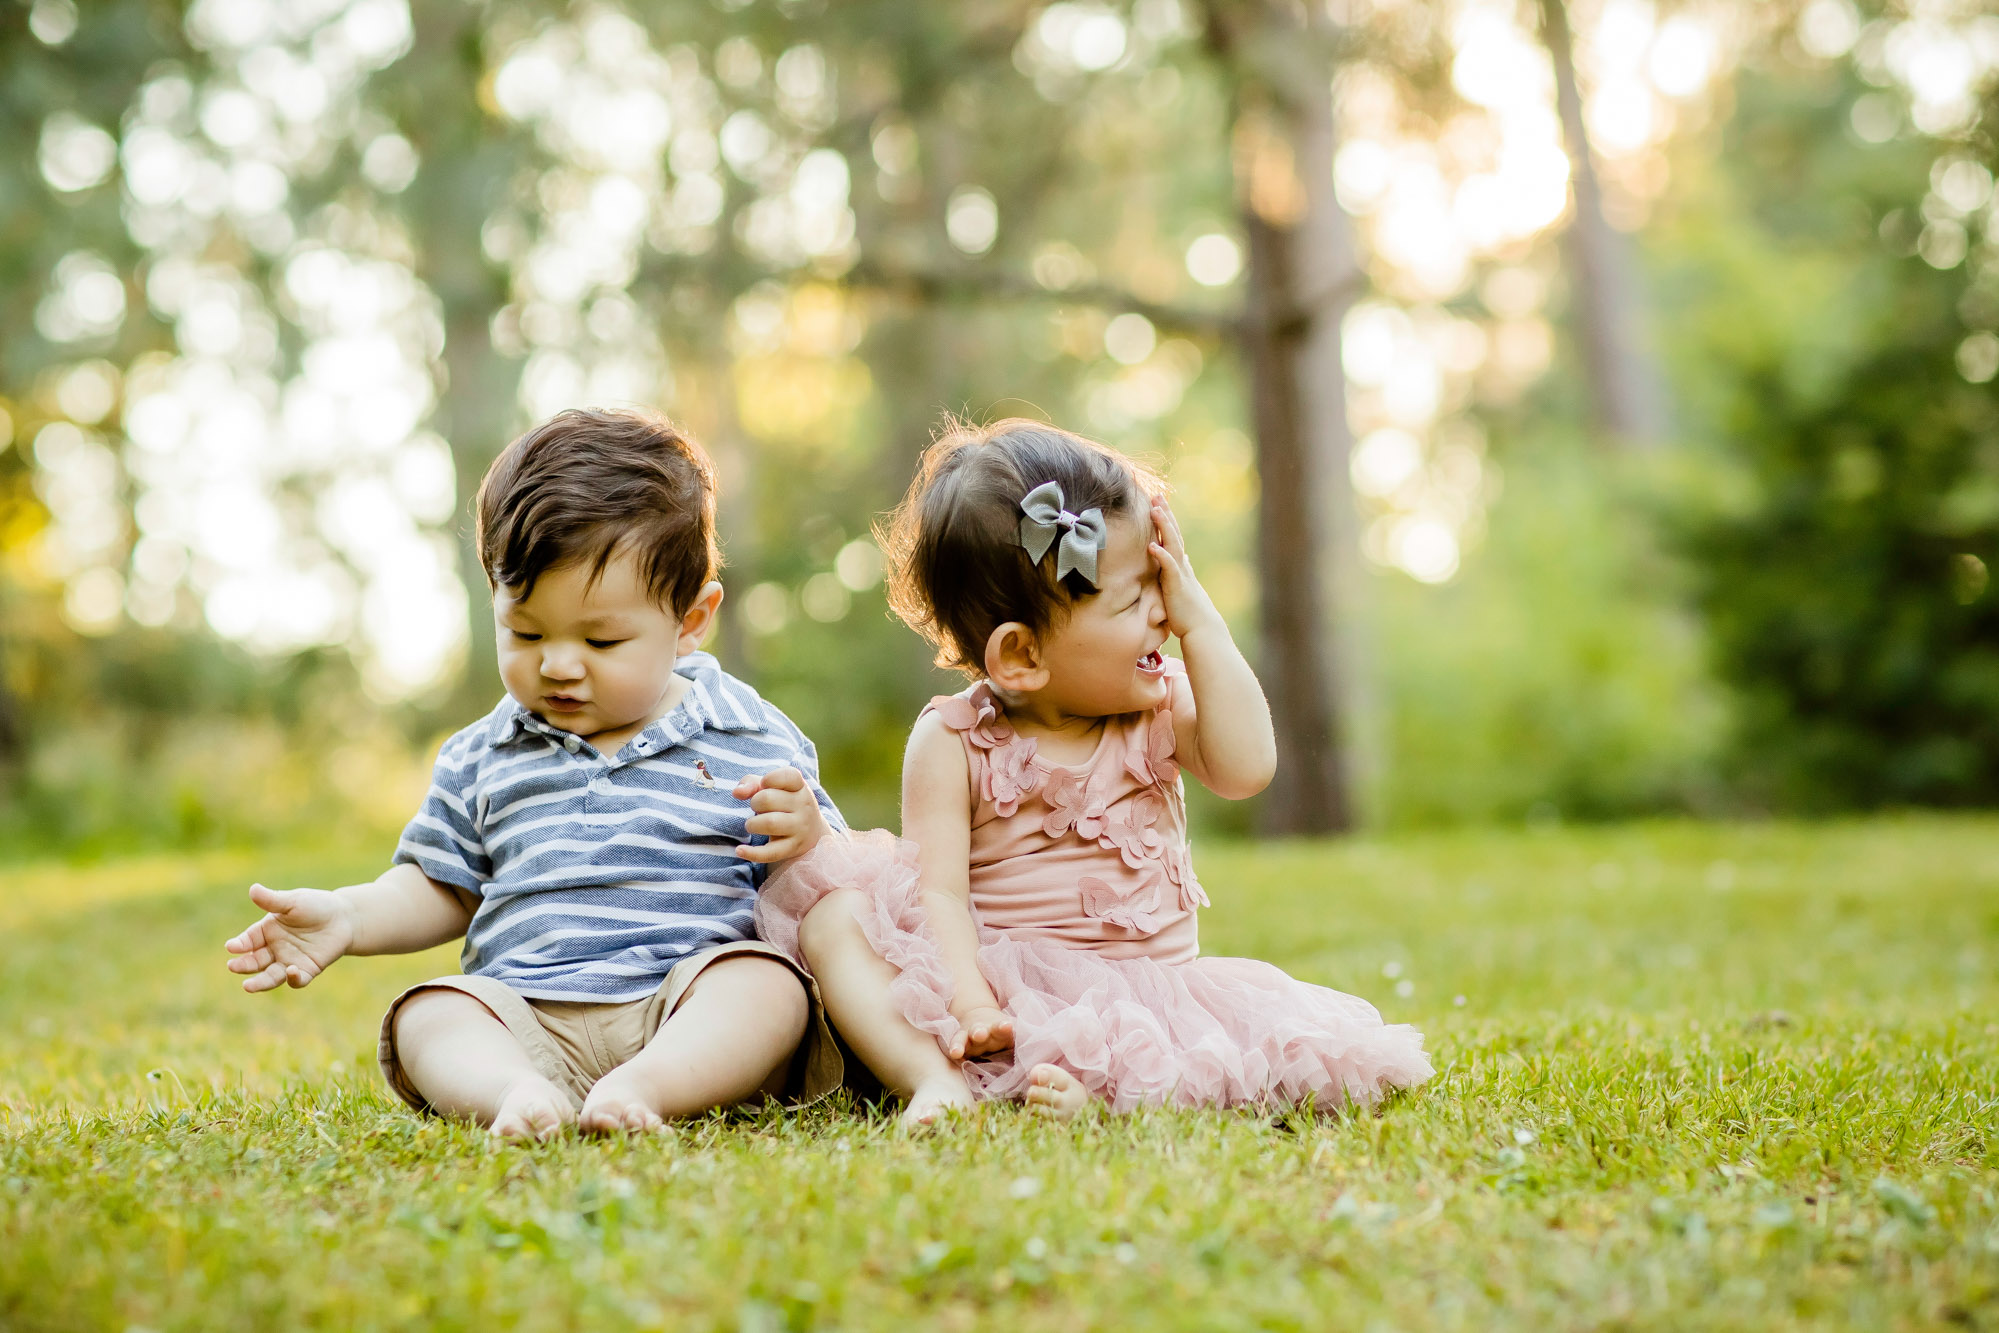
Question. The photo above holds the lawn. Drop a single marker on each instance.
(1689, 1077)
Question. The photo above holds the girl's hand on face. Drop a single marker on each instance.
(786, 813)
(1188, 606)
(981, 1031)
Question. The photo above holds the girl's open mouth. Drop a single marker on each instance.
(1152, 663)
(562, 703)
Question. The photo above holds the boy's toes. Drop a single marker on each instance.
(612, 1109)
(532, 1110)
(639, 1119)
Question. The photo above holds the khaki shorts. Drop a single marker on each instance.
(573, 1044)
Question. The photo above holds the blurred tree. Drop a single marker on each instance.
(113, 206)
(469, 163)
(1836, 288)
(1304, 275)
(1003, 122)
(60, 85)
(806, 229)
(1627, 398)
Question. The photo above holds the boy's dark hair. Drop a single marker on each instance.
(584, 485)
(957, 570)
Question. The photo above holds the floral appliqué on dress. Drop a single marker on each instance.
(1180, 870)
(1072, 805)
(1007, 774)
(1155, 764)
(1130, 832)
(1128, 909)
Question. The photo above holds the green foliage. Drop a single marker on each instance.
(1704, 1077)
(1841, 526)
(1558, 675)
(171, 740)
(1837, 522)
(92, 78)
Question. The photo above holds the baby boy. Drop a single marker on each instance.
(599, 837)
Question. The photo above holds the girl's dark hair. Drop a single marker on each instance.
(583, 485)
(957, 570)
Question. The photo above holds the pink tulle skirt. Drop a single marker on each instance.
(1136, 1031)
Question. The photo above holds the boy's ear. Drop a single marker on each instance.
(1013, 659)
(699, 619)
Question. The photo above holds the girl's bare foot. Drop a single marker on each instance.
(935, 1098)
(620, 1101)
(532, 1108)
(1056, 1093)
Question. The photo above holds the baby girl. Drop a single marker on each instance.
(1033, 935)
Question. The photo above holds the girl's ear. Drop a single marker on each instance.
(699, 620)
(1013, 659)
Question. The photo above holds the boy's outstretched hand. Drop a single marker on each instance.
(786, 813)
(303, 932)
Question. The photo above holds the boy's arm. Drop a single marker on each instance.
(1221, 723)
(403, 910)
(305, 931)
(937, 817)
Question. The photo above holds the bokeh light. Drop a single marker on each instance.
(1214, 260)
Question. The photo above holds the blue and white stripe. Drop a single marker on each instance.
(596, 874)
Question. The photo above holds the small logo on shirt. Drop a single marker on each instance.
(706, 779)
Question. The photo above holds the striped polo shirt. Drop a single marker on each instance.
(595, 874)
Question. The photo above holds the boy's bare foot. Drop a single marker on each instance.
(620, 1102)
(533, 1108)
(936, 1098)
(1056, 1093)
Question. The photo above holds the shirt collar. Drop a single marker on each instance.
(725, 703)
(715, 701)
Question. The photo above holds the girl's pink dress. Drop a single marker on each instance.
(1085, 899)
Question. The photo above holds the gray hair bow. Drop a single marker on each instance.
(1083, 535)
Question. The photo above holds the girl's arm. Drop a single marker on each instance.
(1221, 722)
(937, 817)
(305, 931)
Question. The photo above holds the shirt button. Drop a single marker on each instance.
(602, 786)
(573, 744)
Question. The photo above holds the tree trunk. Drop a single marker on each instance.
(466, 167)
(1626, 398)
(13, 738)
(1303, 276)
(1297, 664)
(477, 416)
(735, 515)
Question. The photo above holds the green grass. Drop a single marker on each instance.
(1702, 1077)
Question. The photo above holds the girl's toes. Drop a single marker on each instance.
(936, 1100)
(1055, 1092)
